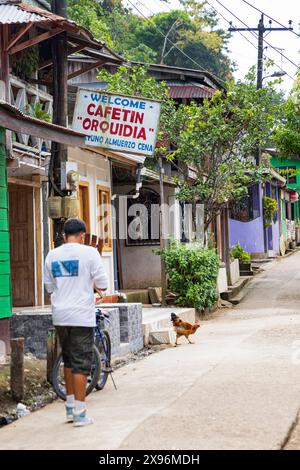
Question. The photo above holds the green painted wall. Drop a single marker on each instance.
(5, 279)
(278, 163)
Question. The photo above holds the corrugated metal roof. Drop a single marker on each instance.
(12, 14)
(22, 13)
(190, 91)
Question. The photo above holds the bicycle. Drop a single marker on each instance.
(101, 363)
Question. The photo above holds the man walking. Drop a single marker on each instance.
(72, 272)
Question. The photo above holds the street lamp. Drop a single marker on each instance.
(279, 74)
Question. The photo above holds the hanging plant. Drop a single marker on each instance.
(25, 63)
(37, 111)
(270, 208)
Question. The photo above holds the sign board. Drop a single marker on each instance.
(117, 122)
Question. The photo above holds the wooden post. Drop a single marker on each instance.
(59, 152)
(52, 351)
(17, 369)
(227, 245)
(162, 233)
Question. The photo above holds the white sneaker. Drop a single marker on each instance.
(81, 418)
(70, 413)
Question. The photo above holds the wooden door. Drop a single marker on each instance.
(22, 245)
(84, 204)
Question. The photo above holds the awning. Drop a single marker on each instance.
(13, 119)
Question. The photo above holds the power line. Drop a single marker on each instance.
(271, 18)
(247, 39)
(252, 30)
(227, 21)
(243, 35)
(174, 45)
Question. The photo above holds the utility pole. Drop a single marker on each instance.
(261, 29)
(260, 56)
(59, 152)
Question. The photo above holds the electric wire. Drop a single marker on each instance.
(255, 34)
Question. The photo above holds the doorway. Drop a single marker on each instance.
(21, 222)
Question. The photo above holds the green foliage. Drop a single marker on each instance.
(239, 253)
(191, 31)
(194, 30)
(219, 141)
(37, 111)
(269, 208)
(88, 13)
(25, 63)
(193, 273)
(287, 136)
(135, 81)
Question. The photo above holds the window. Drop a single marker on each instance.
(247, 209)
(291, 175)
(84, 204)
(143, 219)
(104, 217)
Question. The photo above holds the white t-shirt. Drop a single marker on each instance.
(71, 272)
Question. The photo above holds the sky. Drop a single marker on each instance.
(241, 52)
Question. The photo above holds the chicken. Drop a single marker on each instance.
(183, 328)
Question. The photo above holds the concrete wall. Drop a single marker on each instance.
(34, 329)
(140, 265)
(249, 234)
(131, 323)
(222, 280)
(274, 239)
(235, 271)
(124, 326)
(95, 169)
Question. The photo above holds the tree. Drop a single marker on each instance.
(194, 30)
(194, 34)
(287, 136)
(88, 13)
(219, 141)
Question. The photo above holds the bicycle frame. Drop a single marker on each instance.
(100, 316)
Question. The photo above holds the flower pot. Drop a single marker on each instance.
(244, 266)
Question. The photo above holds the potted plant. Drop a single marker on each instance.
(243, 256)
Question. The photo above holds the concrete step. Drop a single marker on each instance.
(238, 298)
(155, 319)
(162, 336)
(124, 349)
(234, 291)
(263, 260)
(137, 296)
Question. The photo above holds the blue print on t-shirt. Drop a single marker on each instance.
(68, 268)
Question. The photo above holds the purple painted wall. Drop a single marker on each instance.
(249, 234)
(276, 238)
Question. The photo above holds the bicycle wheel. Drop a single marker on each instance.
(58, 380)
(104, 347)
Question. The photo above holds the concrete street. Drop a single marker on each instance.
(238, 387)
